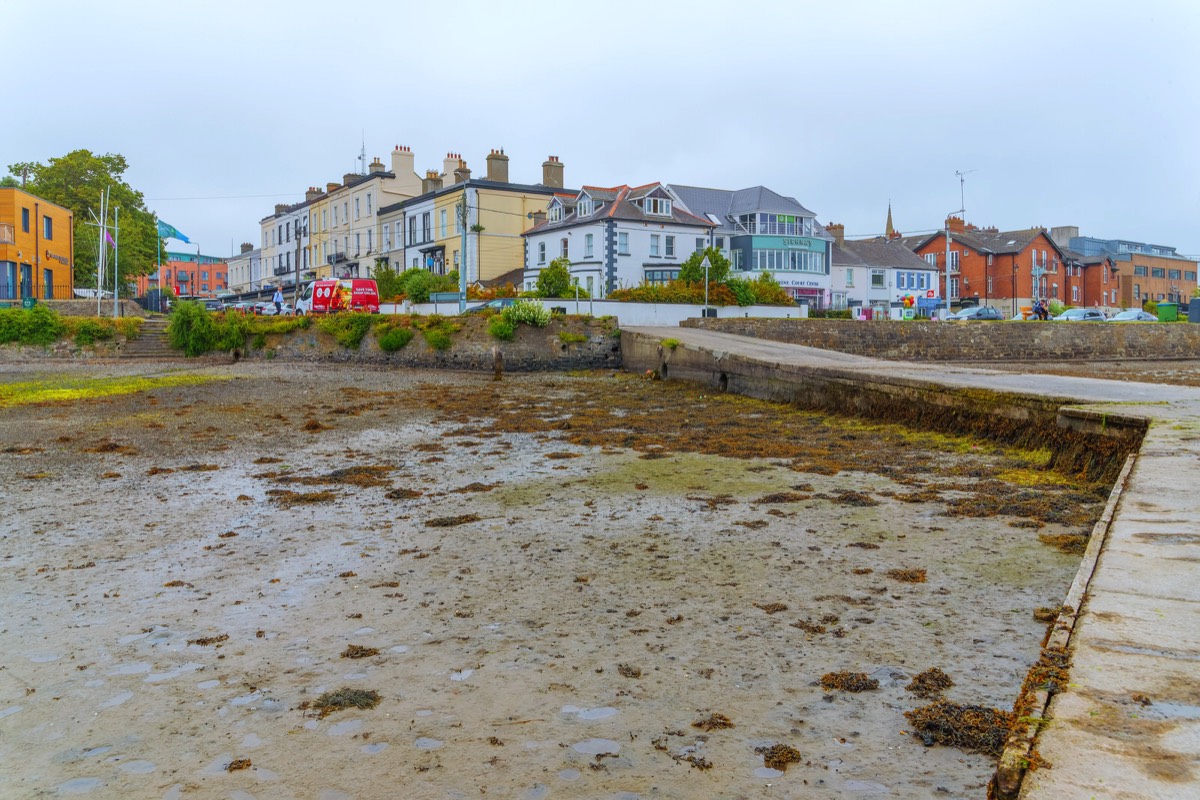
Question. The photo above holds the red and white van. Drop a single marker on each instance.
(339, 294)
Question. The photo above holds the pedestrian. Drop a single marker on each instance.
(278, 301)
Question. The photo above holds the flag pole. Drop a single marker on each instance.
(116, 261)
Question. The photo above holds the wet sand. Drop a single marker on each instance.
(556, 632)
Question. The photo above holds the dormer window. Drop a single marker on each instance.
(554, 213)
(584, 207)
(658, 206)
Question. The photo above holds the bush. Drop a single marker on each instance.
(1150, 306)
(829, 313)
(395, 339)
(437, 338)
(230, 331)
(691, 270)
(347, 329)
(416, 284)
(571, 338)
(192, 329)
(39, 325)
(555, 279)
(500, 328)
(89, 330)
(677, 292)
(527, 312)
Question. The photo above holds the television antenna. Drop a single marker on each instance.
(962, 189)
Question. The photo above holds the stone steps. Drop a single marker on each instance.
(151, 342)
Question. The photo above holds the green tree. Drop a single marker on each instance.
(387, 279)
(9, 182)
(691, 270)
(555, 280)
(75, 181)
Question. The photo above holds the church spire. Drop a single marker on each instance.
(890, 230)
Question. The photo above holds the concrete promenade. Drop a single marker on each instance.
(1128, 724)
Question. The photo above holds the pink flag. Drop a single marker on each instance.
(108, 238)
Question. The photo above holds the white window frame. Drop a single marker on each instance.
(622, 243)
(587, 246)
(655, 248)
(541, 253)
(554, 212)
(669, 247)
(442, 223)
(657, 206)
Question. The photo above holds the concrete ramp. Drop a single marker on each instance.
(1127, 722)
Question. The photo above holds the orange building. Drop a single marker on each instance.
(37, 247)
(187, 274)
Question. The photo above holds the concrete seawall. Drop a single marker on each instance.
(973, 341)
(1126, 722)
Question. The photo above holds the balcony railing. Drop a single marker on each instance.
(284, 270)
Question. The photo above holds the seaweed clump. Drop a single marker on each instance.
(778, 756)
(848, 681)
(713, 722)
(930, 683)
(975, 729)
(907, 575)
(346, 697)
(358, 651)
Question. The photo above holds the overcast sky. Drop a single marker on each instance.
(1063, 113)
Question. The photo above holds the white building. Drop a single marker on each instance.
(878, 274)
(615, 237)
(764, 231)
(245, 270)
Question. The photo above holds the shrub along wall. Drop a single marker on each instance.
(974, 341)
(566, 343)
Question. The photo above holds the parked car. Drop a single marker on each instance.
(1133, 315)
(499, 304)
(214, 304)
(1080, 315)
(976, 313)
(285, 310)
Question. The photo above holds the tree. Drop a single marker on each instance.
(555, 279)
(75, 182)
(9, 182)
(691, 270)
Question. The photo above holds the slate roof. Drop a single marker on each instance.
(619, 205)
(987, 241)
(876, 253)
(725, 203)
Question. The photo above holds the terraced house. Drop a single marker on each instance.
(37, 247)
(615, 237)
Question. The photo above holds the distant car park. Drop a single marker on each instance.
(1133, 315)
(499, 304)
(1080, 315)
(285, 310)
(976, 313)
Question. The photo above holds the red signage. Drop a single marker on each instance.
(929, 293)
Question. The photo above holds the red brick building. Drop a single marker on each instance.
(1012, 269)
(188, 274)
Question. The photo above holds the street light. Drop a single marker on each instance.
(705, 263)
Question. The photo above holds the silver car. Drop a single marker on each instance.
(1134, 315)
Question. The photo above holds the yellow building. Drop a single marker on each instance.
(37, 247)
(426, 231)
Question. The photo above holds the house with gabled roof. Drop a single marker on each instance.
(614, 237)
(990, 267)
(764, 231)
(878, 274)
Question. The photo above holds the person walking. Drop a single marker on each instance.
(278, 301)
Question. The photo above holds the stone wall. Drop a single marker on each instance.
(87, 308)
(531, 350)
(974, 341)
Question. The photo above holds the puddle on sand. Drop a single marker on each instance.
(43, 658)
(79, 786)
(426, 743)
(8, 712)
(767, 772)
(865, 787)
(79, 754)
(182, 669)
(596, 747)
(136, 668)
(537, 792)
(461, 675)
(400, 648)
(344, 727)
(138, 767)
(208, 684)
(251, 740)
(569, 774)
(246, 699)
(372, 749)
(590, 714)
(116, 700)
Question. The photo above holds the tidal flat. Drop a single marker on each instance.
(278, 580)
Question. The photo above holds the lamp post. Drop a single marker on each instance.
(705, 263)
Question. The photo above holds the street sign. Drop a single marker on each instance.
(929, 293)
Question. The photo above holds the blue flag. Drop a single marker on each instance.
(167, 231)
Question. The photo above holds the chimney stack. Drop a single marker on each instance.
(402, 161)
(376, 166)
(330, 188)
(838, 232)
(281, 208)
(956, 224)
(539, 217)
(247, 247)
(312, 194)
(462, 173)
(497, 166)
(448, 164)
(432, 181)
(552, 172)
(350, 177)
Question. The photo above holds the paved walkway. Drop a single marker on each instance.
(1129, 724)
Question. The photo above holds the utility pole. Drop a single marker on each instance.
(116, 260)
(296, 287)
(463, 218)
